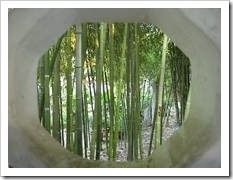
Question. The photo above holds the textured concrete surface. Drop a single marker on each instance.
(195, 31)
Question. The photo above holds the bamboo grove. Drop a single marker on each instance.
(95, 82)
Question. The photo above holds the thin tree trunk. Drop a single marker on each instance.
(41, 90)
(155, 99)
(84, 102)
(105, 128)
(138, 119)
(130, 106)
(158, 139)
(86, 120)
(47, 93)
(69, 96)
(187, 108)
(56, 100)
(78, 76)
(99, 69)
(111, 84)
(175, 81)
(61, 110)
(108, 109)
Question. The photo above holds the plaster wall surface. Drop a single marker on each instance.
(195, 31)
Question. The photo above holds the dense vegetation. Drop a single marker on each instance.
(95, 83)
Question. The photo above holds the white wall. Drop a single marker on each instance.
(195, 31)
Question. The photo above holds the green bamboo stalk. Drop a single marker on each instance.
(99, 69)
(130, 106)
(41, 90)
(69, 96)
(105, 128)
(46, 92)
(56, 100)
(84, 101)
(158, 139)
(78, 77)
(85, 121)
(111, 93)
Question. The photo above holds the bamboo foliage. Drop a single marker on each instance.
(96, 82)
(180, 73)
